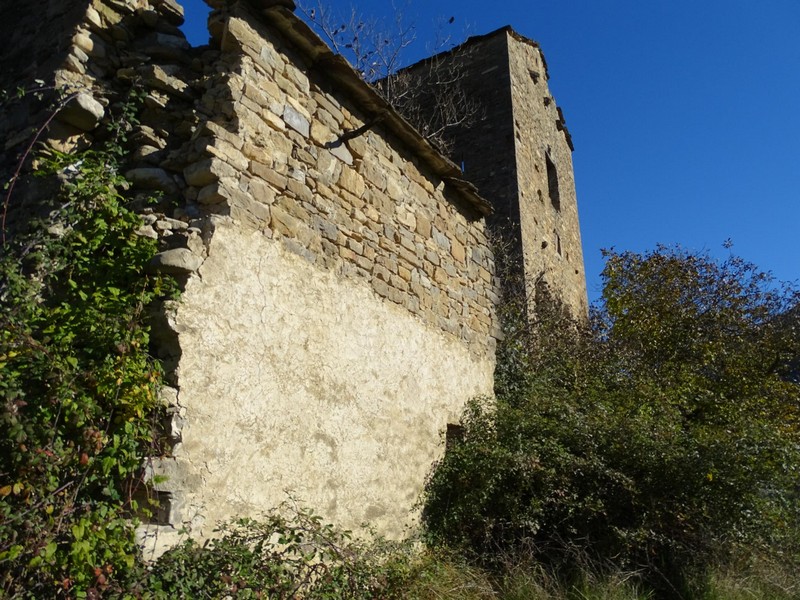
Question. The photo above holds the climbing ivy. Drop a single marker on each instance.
(78, 389)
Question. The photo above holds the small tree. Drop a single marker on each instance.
(664, 431)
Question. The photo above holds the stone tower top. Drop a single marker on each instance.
(518, 152)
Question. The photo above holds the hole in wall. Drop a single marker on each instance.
(195, 26)
(454, 435)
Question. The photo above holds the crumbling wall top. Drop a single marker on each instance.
(279, 15)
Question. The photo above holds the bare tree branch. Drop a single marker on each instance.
(429, 94)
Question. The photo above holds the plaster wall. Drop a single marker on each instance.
(295, 381)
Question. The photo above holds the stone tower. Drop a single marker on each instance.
(518, 153)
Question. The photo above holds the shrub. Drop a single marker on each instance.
(77, 386)
(292, 553)
(662, 431)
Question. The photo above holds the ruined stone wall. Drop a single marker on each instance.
(343, 308)
(338, 287)
(339, 290)
(79, 61)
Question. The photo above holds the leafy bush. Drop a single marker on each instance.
(292, 553)
(77, 387)
(663, 430)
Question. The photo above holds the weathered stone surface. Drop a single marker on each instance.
(207, 171)
(296, 121)
(341, 152)
(213, 193)
(152, 178)
(162, 79)
(83, 112)
(178, 261)
(171, 11)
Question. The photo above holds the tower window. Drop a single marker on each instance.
(552, 183)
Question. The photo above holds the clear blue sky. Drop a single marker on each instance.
(685, 115)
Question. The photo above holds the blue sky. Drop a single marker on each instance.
(685, 114)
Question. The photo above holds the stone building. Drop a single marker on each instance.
(339, 287)
(518, 152)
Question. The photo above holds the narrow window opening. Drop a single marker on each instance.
(552, 183)
(558, 242)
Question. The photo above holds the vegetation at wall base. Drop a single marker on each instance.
(78, 389)
(657, 439)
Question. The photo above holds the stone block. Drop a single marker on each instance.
(423, 226)
(213, 193)
(320, 134)
(207, 171)
(83, 112)
(229, 153)
(171, 11)
(178, 261)
(406, 217)
(284, 222)
(159, 78)
(373, 173)
(249, 211)
(381, 287)
(458, 252)
(262, 192)
(152, 178)
(441, 240)
(296, 121)
(351, 181)
(299, 190)
(213, 130)
(298, 78)
(277, 180)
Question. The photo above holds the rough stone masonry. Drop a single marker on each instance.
(339, 291)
